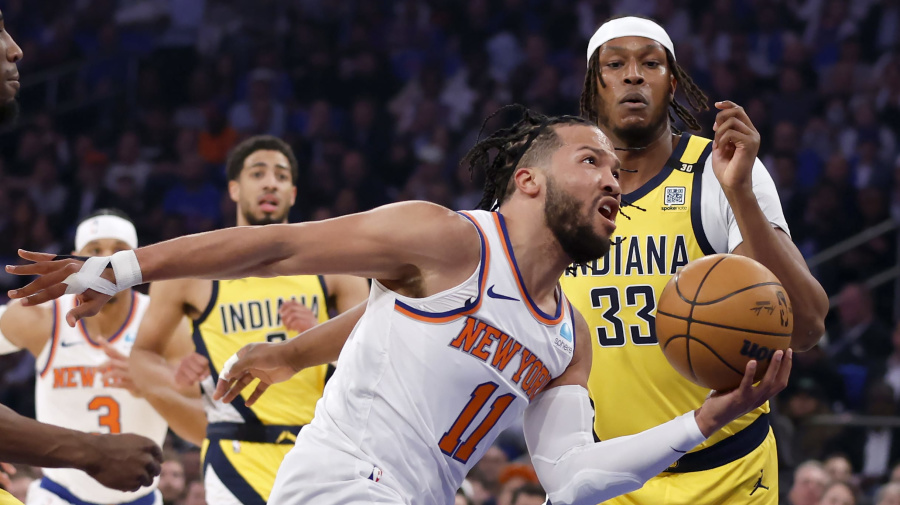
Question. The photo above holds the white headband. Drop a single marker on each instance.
(629, 27)
(105, 227)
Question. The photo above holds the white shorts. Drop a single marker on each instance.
(312, 473)
(40, 496)
(216, 491)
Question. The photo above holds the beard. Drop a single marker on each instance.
(635, 136)
(267, 218)
(572, 227)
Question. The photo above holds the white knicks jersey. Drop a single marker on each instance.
(425, 385)
(70, 392)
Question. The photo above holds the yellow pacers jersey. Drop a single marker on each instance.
(8, 499)
(632, 385)
(244, 311)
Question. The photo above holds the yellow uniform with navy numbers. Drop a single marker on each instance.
(632, 385)
(245, 445)
(8, 499)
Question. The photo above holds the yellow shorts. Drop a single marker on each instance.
(752, 480)
(247, 469)
(7, 499)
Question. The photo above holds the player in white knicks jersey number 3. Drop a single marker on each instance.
(466, 329)
(76, 385)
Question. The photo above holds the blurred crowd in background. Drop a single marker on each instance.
(134, 104)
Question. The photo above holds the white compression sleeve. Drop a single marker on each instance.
(6, 347)
(577, 471)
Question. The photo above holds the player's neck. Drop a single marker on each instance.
(539, 256)
(111, 317)
(242, 221)
(639, 166)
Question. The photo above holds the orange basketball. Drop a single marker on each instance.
(718, 313)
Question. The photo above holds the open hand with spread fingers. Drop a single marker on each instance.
(60, 275)
(264, 361)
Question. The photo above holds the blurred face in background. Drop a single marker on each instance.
(264, 191)
(809, 485)
(9, 73)
(171, 480)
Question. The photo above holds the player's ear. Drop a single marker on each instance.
(527, 180)
(234, 191)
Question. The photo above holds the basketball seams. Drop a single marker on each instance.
(690, 338)
(739, 291)
(724, 327)
(687, 343)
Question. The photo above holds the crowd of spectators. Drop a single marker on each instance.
(134, 104)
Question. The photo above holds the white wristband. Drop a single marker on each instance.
(125, 267)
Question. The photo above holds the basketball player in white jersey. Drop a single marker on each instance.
(466, 329)
(75, 386)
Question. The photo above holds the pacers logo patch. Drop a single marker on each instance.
(674, 195)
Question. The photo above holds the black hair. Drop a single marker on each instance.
(239, 154)
(696, 98)
(528, 489)
(529, 140)
(107, 212)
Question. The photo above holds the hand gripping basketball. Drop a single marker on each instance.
(722, 407)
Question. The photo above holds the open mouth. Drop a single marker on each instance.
(268, 203)
(634, 99)
(609, 208)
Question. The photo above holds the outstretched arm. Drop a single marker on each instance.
(410, 242)
(124, 462)
(576, 470)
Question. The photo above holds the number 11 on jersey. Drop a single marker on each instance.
(451, 443)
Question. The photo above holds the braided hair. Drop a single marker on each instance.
(696, 98)
(527, 142)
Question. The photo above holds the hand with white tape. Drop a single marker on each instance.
(266, 361)
(94, 283)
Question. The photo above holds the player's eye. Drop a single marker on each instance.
(614, 64)
(652, 64)
(589, 159)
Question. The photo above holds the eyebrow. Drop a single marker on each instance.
(601, 153)
(262, 164)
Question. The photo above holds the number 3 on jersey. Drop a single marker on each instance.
(110, 418)
(451, 443)
(609, 298)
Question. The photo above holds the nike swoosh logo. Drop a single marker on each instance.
(70, 344)
(498, 296)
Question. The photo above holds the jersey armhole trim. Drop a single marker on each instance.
(469, 307)
(327, 296)
(697, 203)
(54, 339)
(213, 299)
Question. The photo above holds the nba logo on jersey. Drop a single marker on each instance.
(674, 196)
